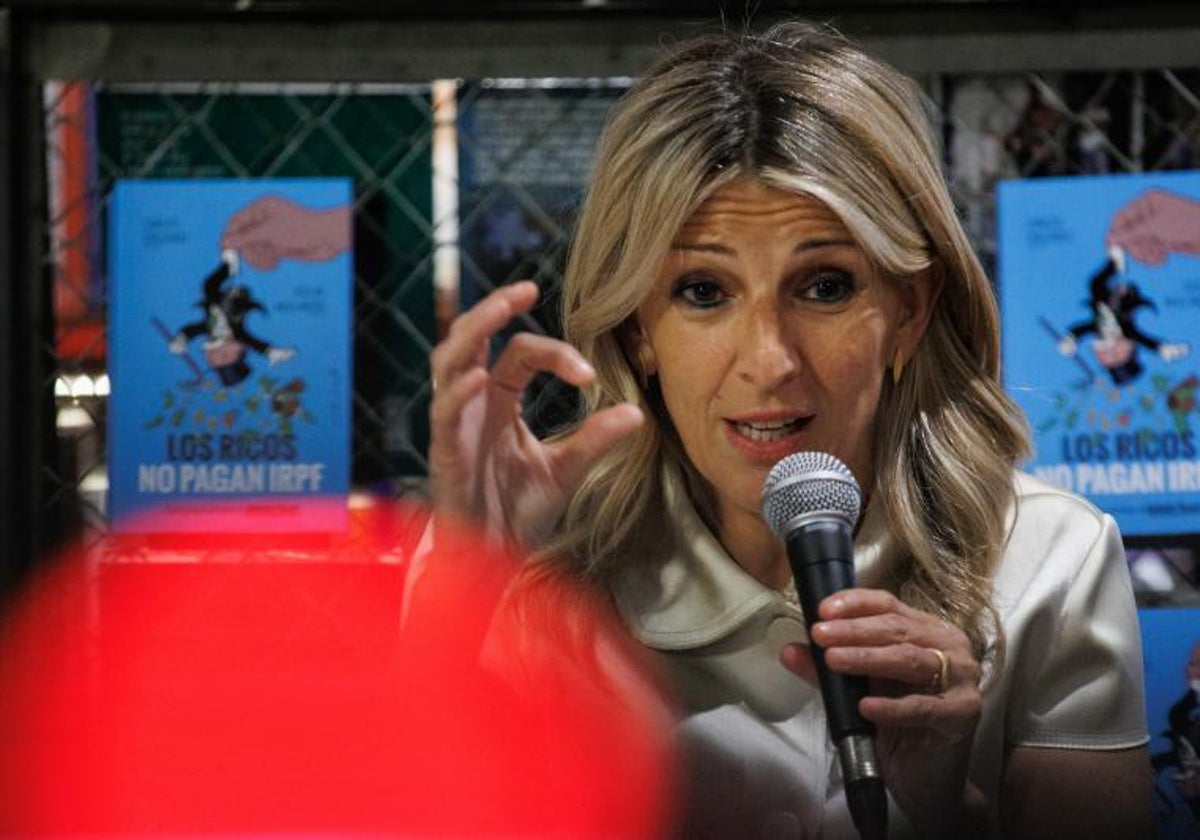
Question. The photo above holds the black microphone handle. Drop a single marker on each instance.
(822, 558)
(821, 555)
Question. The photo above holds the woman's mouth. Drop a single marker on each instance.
(768, 432)
(765, 439)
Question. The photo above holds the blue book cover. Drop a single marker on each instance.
(1099, 284)
(229, 354)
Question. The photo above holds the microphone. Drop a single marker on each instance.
(811, 501)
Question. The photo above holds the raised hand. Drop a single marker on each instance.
(485, 463)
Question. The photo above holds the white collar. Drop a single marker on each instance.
(684, 590)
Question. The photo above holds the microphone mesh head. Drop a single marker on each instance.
(810, 484)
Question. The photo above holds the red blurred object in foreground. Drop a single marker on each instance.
(202, 688)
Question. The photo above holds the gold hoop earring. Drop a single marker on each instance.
(897, 367)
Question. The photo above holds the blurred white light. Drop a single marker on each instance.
(96, 481)
(73, 418)
(82, 386)
(360, 500)
(74, 386)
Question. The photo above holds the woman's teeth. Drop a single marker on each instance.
(766, 432)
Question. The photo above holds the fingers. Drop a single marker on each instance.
(261, 256)
(858, 603)
(797, 658)
(873, 633)
(1149, 250)
(466, 344)
(945, 713)
(528, 354)
(575, 455)
(914, 665)
(249, 217)
(1138, 212)
(460, 368)
(1132, 229)
(447, 410)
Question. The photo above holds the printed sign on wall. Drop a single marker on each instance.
(229, 344)
(1100, 294)
(1171, 644)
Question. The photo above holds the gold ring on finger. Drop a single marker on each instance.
(941, 679)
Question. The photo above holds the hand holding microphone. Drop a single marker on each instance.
(915, 726)
(811, 501)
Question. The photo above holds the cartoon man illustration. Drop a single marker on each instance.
(1114, 304)
(226, 308)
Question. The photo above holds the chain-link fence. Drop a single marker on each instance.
(523, 148)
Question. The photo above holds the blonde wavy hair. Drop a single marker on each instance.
(800, 108)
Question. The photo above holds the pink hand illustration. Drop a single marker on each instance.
(1156, 224)
(274, 228)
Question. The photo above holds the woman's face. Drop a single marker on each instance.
(771, 332)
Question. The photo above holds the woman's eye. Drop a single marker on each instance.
(829, 287)
(699, 292)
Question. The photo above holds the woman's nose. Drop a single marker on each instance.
(769, 353)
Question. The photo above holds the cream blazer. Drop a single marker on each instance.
(761, 762)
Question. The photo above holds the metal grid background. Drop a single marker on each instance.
(994, 128)
(379, 138)
(1029, 124)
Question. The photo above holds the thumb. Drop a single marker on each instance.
(575, 454)
(797, 658)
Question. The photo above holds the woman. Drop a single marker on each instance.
(768, 262)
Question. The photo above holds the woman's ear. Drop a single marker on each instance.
(918, 299)
(638, 349)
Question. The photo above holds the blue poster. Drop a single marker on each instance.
(1171, 643)
(229, 353)
(1099, 282)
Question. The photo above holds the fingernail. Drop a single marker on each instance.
(837, 604)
